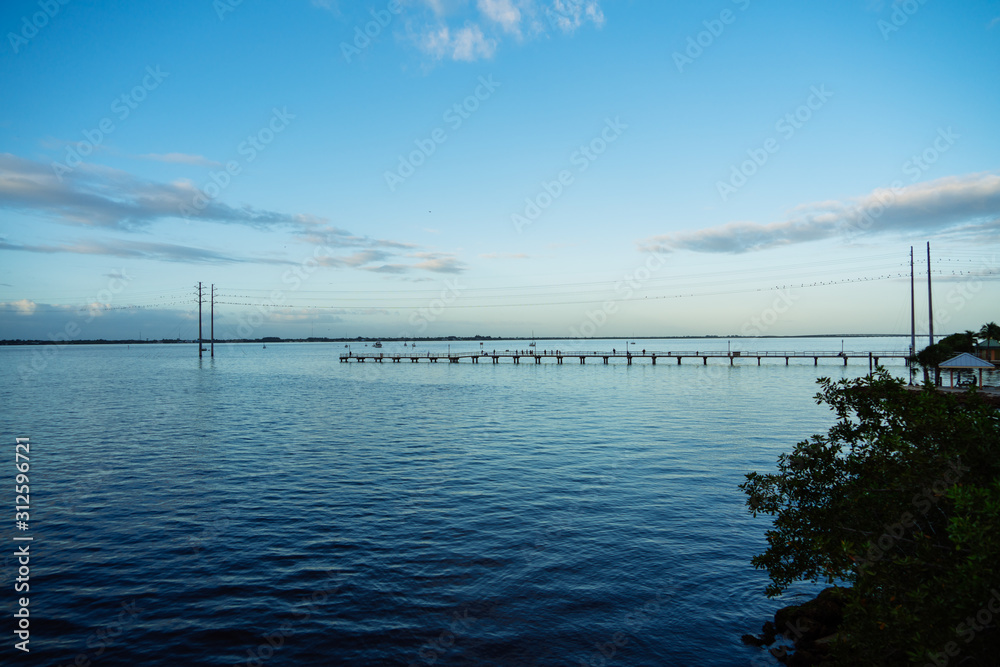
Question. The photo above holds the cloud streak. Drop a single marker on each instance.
(22, 307)
(961, 206)
(438, 262)
(376, 254)
(330, 236)
(96, 196)
(166, 252)
(100, 198)
(504, 255)
(181, 158)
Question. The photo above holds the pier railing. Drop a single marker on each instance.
(516, 356)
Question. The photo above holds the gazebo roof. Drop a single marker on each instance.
(965, 360)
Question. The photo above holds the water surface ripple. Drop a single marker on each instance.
(274, 506)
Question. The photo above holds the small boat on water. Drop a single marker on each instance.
(377, 344)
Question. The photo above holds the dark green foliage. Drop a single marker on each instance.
(901, 501)
(955, 344)
(989, 333)
(945, 349)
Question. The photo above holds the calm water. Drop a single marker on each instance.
(274, 506)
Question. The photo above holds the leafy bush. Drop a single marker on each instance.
(900, 501)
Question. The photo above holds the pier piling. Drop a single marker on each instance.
(629, 357)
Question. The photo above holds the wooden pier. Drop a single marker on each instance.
(529, 356)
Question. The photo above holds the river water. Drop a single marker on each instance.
(275, 506)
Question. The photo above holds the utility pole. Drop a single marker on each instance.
(212, 326)
(930, 301)
(200, 301)
(913, 318)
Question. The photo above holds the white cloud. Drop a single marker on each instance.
(97, 197)
(467, 44)
(181, 158)
(959, 206)
(442, 7)
(569, 15)
(144, 250)
(328, 5)
(22, 307)
(470, 44)
(504, 13)
(485, 22)
(504, 255)
(438, 261)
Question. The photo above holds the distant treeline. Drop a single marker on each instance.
(361, 339)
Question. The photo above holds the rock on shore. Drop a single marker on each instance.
(812, 627)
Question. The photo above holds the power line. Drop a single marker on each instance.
(582, 301)
(881, 267)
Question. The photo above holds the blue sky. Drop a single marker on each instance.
(497, 167)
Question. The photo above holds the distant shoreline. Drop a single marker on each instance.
(442, 339)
